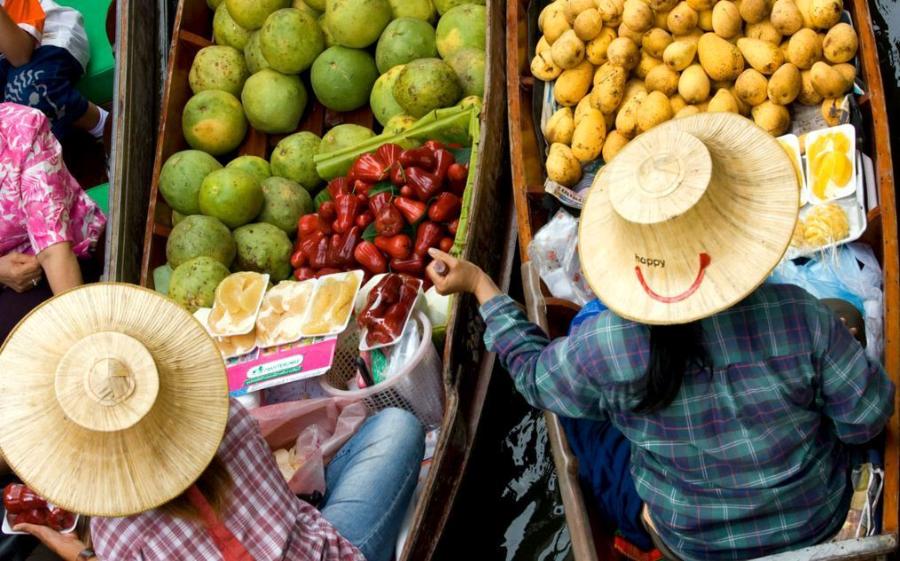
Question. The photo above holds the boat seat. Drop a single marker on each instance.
(100, 195)
(97, 82)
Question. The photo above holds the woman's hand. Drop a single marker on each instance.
(67, 546)
(451, 275)
(20, 272)
(61, 266)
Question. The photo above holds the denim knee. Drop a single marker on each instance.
(402, 428)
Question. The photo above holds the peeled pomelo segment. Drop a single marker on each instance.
(297, 305)
(246, 341)
(249, 300)
(229, 295)
(216, 316)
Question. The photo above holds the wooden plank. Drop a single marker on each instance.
(881, 141)
(134, 110)
(847, 550)
(514, 21)
(577, 516)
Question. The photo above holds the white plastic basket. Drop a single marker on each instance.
(419, 388)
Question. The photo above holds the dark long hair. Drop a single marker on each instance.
(673, 350)
(216, 485)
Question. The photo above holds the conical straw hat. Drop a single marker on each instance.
(688, 219)
(113, 400)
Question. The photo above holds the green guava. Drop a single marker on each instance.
(199, 235)
(342, 78)
(264, 248)
(285, 202)
(460, 28)
(357, 23)
(193, 284)
(292, 158)
(232, 195)
(403, 40)
(274, 102)
(226, 31)
(181, 176)
(384, 106)
(213, 121)
(426, 84)
(290, 40)
(256, 166)
(252, 14)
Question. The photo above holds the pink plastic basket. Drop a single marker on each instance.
(418, 388)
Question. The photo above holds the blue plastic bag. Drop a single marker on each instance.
(849, 272)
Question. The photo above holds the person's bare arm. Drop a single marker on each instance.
(15, 43)
(60, 267)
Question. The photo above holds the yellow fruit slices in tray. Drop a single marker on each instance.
(826, 225)
(229, 347)
(331, 304)
(831, 163)
(237, 302)
(282, 313)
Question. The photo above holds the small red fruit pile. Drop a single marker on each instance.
(390, 209)
(387, 308)
(24, 506)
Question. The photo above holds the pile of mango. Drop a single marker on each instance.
(621, 67)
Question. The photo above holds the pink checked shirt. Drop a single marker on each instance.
(263, 514)
(41, 204)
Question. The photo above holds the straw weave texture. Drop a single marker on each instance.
(156, 445)
(742, 221)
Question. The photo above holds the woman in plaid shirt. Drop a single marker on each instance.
(147, 415)
(738, 400)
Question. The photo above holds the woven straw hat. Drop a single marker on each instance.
(113, 400)
(688, 219)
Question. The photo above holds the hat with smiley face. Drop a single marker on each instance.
(688, 219)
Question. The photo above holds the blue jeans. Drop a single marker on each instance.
(47, 83)
(371, 480)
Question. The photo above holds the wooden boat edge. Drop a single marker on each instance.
(465, 352)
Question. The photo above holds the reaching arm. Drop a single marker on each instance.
(572, 376)
(15, 43)
(61, 267)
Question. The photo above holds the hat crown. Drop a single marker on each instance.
(660, 179)
(110, 381)
(107, 382)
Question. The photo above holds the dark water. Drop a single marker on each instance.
(509, 507)
(886, 21)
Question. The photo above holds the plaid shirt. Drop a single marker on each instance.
(747, 460)
(263, 514)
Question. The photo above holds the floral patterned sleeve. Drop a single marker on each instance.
(56, 208)
(46, 196)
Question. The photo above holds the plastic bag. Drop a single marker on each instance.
(402, 353)
(318, 428)
(554, 250)
(851, 273)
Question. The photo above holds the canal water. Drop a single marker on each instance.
(510, 508)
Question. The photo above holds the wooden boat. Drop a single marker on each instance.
(590, 541)
(135, 104)
(463, 351)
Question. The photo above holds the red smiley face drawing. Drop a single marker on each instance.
(705, 260)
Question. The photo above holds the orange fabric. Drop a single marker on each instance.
(633, 553)
(26, 12)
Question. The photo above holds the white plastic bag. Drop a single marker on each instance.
(554, 250)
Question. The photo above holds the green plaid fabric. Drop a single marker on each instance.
(749, 459)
